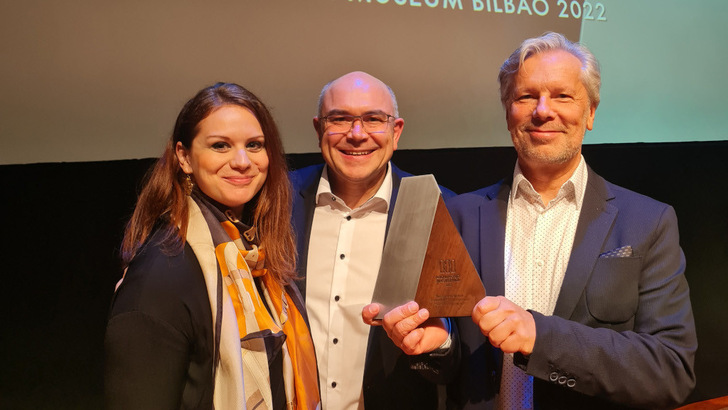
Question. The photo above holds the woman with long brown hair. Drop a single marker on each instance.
(206, 315)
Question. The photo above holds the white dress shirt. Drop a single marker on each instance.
(538, 246)
(344, 253)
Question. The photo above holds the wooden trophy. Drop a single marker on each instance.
(424, 257)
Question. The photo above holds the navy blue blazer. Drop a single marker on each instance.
(390, 378)
(622, 332)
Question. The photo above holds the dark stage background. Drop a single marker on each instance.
(62, 223)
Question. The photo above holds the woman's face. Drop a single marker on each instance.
(227, 158)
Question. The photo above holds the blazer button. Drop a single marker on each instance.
(571, 383)
(553, 376)
(562, 380)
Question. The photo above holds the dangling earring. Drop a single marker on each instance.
(188, 185)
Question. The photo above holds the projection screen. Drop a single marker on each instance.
(100, 80)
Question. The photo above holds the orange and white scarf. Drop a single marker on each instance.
(242, 322)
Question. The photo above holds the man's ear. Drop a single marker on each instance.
(398, 127)
(183, 157)
(590, 117)
(317, 127)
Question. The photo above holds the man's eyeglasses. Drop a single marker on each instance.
(342, 123)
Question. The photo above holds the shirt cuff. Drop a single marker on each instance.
(445, 346)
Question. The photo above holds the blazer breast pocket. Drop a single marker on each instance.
(612, 294)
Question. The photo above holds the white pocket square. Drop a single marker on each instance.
(623, 252)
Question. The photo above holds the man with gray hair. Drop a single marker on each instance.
(341, 210)
(588, 304)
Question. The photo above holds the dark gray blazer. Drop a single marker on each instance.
(622, 332)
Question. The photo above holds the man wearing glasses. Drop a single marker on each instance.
(340, 214)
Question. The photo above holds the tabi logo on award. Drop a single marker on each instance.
(448, 273)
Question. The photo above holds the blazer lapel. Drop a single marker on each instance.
(396, 180)
(304, 219)
(595, 221)
(493, 213)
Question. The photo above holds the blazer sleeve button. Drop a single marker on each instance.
(571, 383)
(562, 380)
(553, 376)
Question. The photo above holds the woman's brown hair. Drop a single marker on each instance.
(162, 202)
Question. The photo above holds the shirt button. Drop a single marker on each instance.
(336, 298)
(336, 340)
(539, 263)
(342, 256)
(333, 384)
(348, 217)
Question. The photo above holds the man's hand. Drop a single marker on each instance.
(409, 327)
(508, 326)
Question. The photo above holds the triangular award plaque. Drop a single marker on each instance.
(424, 257)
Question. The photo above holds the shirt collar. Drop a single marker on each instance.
(576, 183)
(324, 196)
